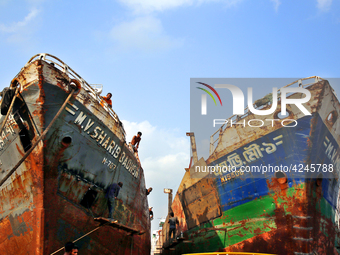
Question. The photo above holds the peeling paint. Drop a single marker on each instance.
(283, 215)
(40, 204)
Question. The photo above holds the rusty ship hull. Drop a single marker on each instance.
(55, 194)
(285, 212)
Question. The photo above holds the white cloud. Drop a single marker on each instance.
(324, 5)
(16, 26)
(276, 4)
(161, 5)
(155, 5)
(35, 2)
(21, 32)
(145, 32)
(164, 153)
(142, 33)
(157, 143)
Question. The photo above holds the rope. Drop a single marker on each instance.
(39, 139)
(9, 110)
(81, 237)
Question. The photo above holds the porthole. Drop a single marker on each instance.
(332, 117)
(279, 115)
(66, 141)
(281, 177)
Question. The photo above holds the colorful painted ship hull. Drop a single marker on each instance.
(55, 194)
(293, 211)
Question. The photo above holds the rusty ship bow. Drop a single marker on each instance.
(293, 210)
(60, 148)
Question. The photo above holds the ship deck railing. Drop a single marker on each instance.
(237, 117)
(94, 89)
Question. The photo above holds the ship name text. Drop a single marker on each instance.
(236, 164)
(332, 153)
(8, 130)
(105, 141)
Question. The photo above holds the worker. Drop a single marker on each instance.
(151, 213)
(148, 191)
(74, 250)
(173, 221)
(135, 141)
(112, 194)
(107, 99)
(71, 249)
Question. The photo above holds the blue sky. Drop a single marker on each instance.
(146, 51)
